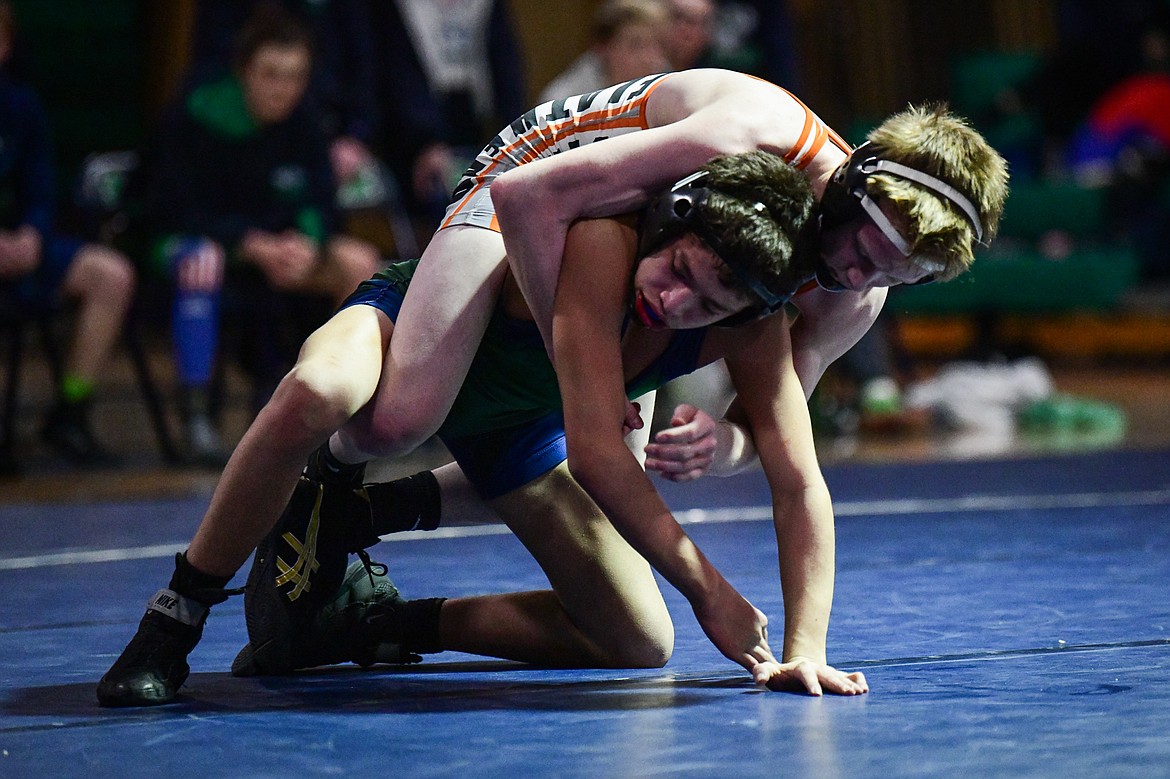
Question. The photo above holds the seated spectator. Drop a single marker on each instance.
(239, 185)
(450, 73)
(627, 43)
(39, 266)
(342, 86)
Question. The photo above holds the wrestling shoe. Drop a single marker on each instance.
(154, 664)
(410, 625)
(298, 569)
(335, 633)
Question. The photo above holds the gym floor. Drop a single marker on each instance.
(1010, 610)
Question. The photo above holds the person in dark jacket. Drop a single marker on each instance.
(239, 185)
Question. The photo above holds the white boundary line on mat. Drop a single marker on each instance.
(873, 508)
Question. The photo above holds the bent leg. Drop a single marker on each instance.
(335, 375)
(436, 335)
(102, 281)
(605, 608)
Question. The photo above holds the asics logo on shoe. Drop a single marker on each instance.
(306, 564)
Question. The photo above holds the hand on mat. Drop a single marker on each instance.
(737, 628)
(685, 450)
(800, 674)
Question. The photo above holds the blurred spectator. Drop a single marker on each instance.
(1123, 144)
(342, 87)
(1098, 46)
(751, 36)
(628, 38)
(239, 184)
(450, 73)
(39, 266)
(1131, 118)
(692, 23)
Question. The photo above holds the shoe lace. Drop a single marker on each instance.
(372, 568)
(210, 596)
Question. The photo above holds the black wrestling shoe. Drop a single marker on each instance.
(153, 666)
(297, 570)
(334, 634)
(410, 625)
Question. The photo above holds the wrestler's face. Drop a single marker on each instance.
(274, 81)
(861, 257)
(679, 286)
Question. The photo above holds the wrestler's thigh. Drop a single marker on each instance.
(343, 358)
(442, 320)
(607, 588)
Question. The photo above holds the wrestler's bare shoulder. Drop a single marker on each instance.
(682, 94)
(737, 100)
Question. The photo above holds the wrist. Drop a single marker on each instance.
(805, 650)
(709, 590)
(734, 449)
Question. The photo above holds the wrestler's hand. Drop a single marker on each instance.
(633, 420)
(800, 674)
(686, 449)
(737, 629)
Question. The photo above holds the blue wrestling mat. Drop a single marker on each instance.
(1012, 618)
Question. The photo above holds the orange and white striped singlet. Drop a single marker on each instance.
(566, 123)
(548, 129)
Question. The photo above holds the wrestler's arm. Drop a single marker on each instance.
(693, 117)
(590, 306)
(830, 323)
(772, 406)
(695, 445)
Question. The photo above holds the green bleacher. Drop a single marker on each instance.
(1092, 272)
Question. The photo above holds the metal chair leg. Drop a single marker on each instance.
(8, 463)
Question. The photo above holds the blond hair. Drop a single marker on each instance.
(935, 141)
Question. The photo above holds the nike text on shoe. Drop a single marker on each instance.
(154, 664)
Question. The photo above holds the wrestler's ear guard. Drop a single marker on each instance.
(846, 198)
(678, 210)
(670, 214)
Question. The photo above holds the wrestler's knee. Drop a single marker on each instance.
(394, 431)
(317, 399)
(643, 647)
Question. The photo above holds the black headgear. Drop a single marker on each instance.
(845, 199)
(679, 210)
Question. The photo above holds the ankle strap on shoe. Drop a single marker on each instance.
(171, 604)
